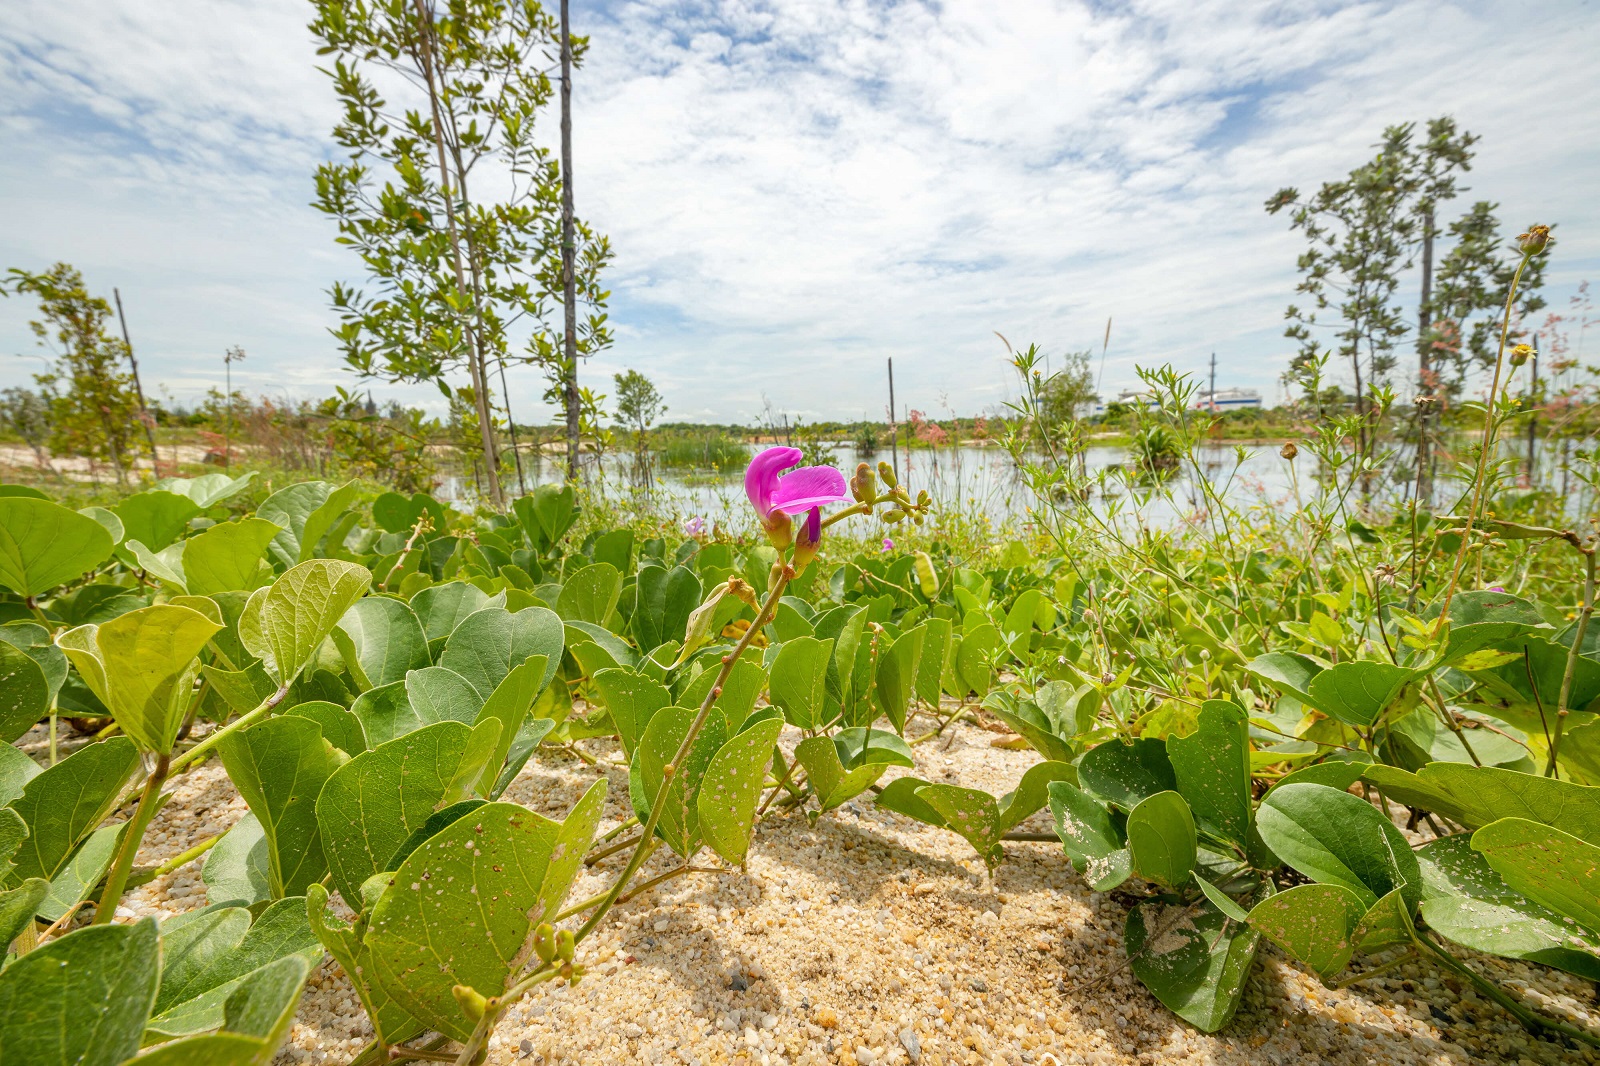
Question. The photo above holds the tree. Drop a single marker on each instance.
(455, 273)
(639, 404)
(1469, 299)
(1359, 231)
(94, 409)
(1066, 393)
(27, 414)
(1433, 165)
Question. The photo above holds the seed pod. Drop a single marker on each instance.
(1289, 450)
(544, 942)
(922, 563)
(864, 486)
(566, 945)
(893, 516)
(472, 1002)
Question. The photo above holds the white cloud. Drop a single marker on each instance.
(798, 190)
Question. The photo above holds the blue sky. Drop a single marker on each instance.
(797, 190)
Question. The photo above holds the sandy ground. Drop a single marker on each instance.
(871, 940)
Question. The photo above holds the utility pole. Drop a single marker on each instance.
(894, 429)
(569, 351)
(788, 438)
(1213, 382)
(144, 410)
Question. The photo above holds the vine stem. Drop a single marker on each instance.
(485, 1025)
(255, 715)
(132, 836)
(1483, 451)
(149, 799)
(1585, 612)
(1530, 1020)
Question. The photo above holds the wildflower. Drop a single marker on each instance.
(776, 495)
(888, 544)
(1536, 240)
(1521, 354)
(694, 526)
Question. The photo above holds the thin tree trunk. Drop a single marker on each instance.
(569, 357)
(475, 358)
(1424, 368)
(144, 410)
(477, 306)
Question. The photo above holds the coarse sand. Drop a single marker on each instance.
(872, 939)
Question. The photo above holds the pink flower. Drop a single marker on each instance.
(888, 545)
(776, 495)
(695, 526)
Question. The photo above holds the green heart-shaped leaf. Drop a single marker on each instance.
(279, 766)
(731, 787)
(459, 912)
(227, 557)
(142, 665)
(43, 545)
(1336, 838)
(63, 804)
(1194, 959)
(81, 998)
(1556, 870)
(1314, 924)
(1161, 839)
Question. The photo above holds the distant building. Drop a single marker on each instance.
(1126, 398)
(1228, 400)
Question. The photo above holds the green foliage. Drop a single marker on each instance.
(373, 706)
(95, 409)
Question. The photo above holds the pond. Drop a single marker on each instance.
(974, 481)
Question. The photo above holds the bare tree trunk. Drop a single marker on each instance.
(476, 363)
(1424, 368)
(144, 410)
(569, 357)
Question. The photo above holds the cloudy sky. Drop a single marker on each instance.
(798, 189)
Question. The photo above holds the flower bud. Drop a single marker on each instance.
(1289, 450)
(807, 541)
(1536, 240)
(886, 472)
(544, 942)
(894, 515)
(864, 486)
(922, 563)
(1521, 353)
(566, 945)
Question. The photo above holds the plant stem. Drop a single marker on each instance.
(596, 856)
(1584, 614)
(1531, 1021)
(1399, 960)
(647, 840)
(648, 834)
(132, 836)
(1483, 452)
(251, 718)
